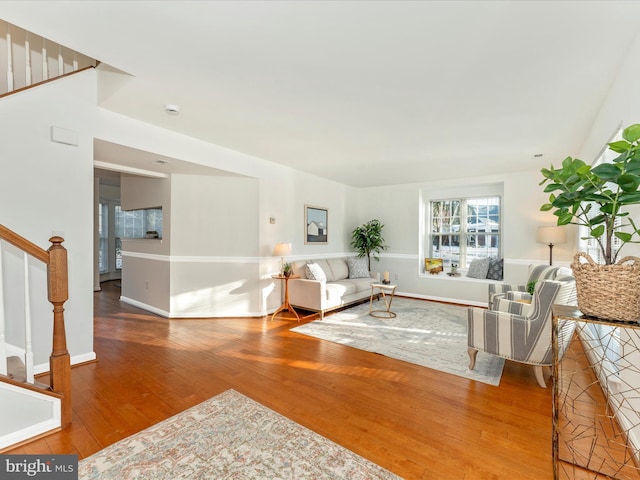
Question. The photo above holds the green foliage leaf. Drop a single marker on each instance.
(565, 219)
(597, 232)
(606, 170)
(619, 146)
(624, 236)
(629, 182)
(631, 133)
(546, 207)
(629, 198)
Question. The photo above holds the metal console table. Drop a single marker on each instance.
(596, 397)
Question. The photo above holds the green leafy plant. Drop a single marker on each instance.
(287, 269)
(577, 188)
(531, 286)
(367, 240)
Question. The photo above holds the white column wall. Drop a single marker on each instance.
(46, 188)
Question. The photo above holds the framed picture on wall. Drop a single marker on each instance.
(315, 225)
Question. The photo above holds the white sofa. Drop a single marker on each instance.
(337, 291)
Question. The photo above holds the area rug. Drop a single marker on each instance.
(430, 334)
(228, 436)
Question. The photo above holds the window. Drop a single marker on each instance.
(103, 233)
(464, 229)
(144, 223)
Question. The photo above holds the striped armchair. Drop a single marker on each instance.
(521, 332)
(519, 292)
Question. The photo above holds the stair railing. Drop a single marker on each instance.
(55, 259)
(30, 60)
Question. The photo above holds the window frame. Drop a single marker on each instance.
(465, 234)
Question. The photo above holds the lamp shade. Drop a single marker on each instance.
(551, 235)
(282, 250)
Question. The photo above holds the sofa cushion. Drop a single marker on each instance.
(478, 268)
(315, 272)
(339, 268)
(340, 289)
(362, 284)
(358, 267)
(325, 268)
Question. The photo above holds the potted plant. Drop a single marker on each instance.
(596, 198)
(287, 269)
(367, 240)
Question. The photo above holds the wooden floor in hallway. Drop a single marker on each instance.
(418, 423)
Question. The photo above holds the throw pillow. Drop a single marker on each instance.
(478, 268)
(358, 267)
(496, 267)
(315, 272)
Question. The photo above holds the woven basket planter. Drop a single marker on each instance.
(609, 292)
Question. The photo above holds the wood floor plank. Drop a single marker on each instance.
(416, 422)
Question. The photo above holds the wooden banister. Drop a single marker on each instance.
(24, 244)
(58, 292)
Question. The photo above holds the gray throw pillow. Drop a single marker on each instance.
(478, 268)
(313, 271)
(496, 267)
(358, 267)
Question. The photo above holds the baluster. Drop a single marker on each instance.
(45, 60)
(3, 345)
(9, 61)
(27, 59)
(75, 61)
(28, 353)
(60, 61)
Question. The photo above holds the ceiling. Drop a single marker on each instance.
(362, 92)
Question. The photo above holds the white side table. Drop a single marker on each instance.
(385, 290)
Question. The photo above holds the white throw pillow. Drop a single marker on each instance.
(315, 272)
(358, 267)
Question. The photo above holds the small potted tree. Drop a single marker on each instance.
(596, 198)
(367, 240)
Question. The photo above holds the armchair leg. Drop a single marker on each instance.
(473, 353)
(537, 369)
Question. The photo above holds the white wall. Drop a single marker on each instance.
(214, 256)
(281, 193)
(47, 188)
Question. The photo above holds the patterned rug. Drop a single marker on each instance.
(228, 436)
(430, 334)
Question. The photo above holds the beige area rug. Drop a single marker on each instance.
(228, 436)
(430, 334)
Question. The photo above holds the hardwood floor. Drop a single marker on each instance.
(416, 422)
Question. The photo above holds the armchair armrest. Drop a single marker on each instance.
(512, 306)
(488, 330)
(518, 295)
(500, 290)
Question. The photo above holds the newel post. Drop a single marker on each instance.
(60, 361)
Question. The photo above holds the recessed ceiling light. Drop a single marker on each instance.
(537, 155)
(160, 162)
(172, 109)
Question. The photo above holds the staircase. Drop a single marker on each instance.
(29, 408)
(27, 59)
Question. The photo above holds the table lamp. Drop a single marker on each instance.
(282, 250)
(551, 236)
